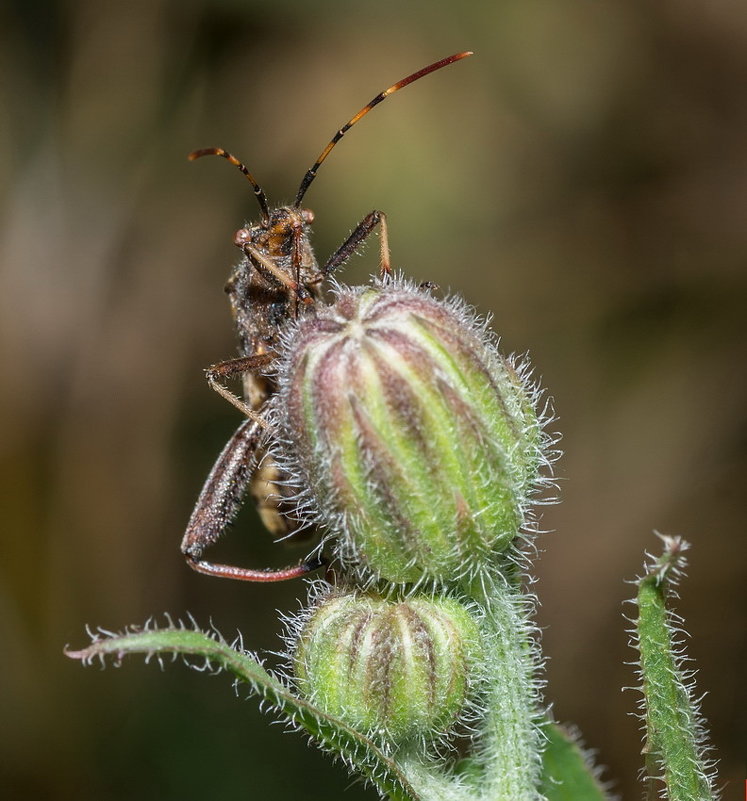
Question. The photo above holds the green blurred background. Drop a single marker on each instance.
(583, 178)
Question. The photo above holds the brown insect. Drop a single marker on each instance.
(278, 278)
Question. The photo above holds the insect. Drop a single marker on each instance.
(277, 278)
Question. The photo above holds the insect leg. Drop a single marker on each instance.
(267, 268)
(296, 264)
(233, 367)
(361, 232)
(219, 503)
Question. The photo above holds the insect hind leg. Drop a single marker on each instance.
(218, 504)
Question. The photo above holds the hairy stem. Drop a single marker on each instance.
(509, 751)
(675, 735)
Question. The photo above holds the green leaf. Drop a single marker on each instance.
(212, 652)
(567, 774)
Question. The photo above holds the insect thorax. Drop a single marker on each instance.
(260, 302)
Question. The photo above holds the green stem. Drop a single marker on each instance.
(674, 731)
(508, 753)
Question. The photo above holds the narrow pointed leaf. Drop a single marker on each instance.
(211, 651)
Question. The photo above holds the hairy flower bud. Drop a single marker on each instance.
(393, 670)
(415, 442)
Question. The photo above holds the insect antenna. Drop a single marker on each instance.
(311, 173)
(258, 191)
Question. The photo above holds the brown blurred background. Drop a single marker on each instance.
(583, 178)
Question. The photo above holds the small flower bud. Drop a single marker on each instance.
(414, 440)
(393, 670)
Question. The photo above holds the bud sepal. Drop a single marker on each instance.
(398, 671)
(412, 440)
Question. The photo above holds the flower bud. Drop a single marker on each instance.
(393, 670)
(415, 441)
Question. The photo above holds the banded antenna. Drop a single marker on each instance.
(311, 173)
(258, 191)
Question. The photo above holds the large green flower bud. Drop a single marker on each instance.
(417, 444)
(393, 670)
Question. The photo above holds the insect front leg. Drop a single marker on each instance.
(234, 367)
(218, 504)
(360, 233)
(270, 271)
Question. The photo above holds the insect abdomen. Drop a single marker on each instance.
(271, 498)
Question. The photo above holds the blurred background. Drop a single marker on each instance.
(583, 178)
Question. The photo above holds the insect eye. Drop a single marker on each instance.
(242, 237)
(307, 215)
